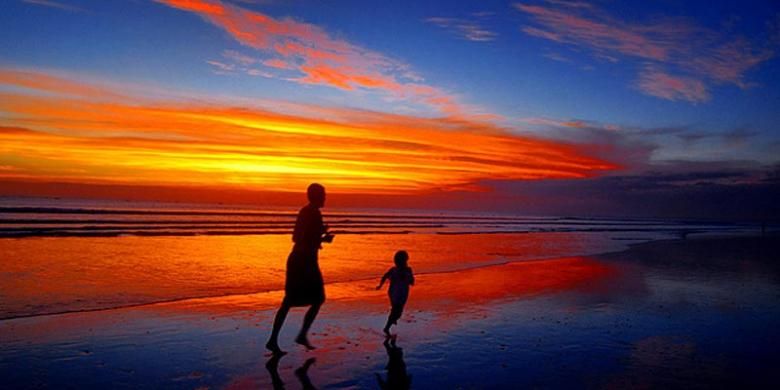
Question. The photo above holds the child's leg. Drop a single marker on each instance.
(388, 323)
(396, 313)
(392, 319)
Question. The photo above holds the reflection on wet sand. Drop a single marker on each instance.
(302, 372)
(397, 377)
(442, 294)
(77, 273)
(351, 323)
(703, 319)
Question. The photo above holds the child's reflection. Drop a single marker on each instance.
(397, 378)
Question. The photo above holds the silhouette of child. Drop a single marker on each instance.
(401, 277)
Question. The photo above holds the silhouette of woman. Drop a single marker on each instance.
(303, 282)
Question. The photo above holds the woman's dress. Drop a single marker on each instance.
(303, 283)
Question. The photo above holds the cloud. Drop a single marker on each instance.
(702, 55)
(637, 148)
(56, 133)
(277, 63)
(51, 83)
(601, 34)
(556, 57)
(221, 67)
(315, 57)
(54, 4)
(575, 123)
(666, 86)
(574, 4)
(739, 136)
(468, 29)
(631, 148)
(233, 62)
(720, 191)
(239, 58)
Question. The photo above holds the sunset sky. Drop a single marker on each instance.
(659, 108)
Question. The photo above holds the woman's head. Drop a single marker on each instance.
(401, 258)
(316, 194)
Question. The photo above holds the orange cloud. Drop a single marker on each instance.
(203, 7)
(277, 63)
(53, 132)
(49, 83)
(320, 58)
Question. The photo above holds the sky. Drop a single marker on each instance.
(659, 108)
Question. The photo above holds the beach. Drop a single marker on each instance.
(258, 194)
(697, 313)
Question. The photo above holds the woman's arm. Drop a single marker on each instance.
(309, 228)
(327, 236)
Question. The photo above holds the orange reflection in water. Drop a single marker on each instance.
(46, 275)
(480, 285)
(49, 275)
(348, 329)
(448, 300)
(513, 280)
(444, 291)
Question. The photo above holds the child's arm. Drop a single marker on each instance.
(382, 281)
(411, 277)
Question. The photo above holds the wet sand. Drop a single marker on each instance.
(695, 313)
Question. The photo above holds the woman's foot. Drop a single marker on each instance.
(303, 340)
(273, 346)
(304, 369)
(387, 331)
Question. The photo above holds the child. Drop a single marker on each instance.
(401, 277)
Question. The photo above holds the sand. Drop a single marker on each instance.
(694, 313)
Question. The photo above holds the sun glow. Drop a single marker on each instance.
(56, 129)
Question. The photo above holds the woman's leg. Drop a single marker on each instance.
(273, 341)
(308, 319)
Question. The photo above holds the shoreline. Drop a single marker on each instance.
(608, 254)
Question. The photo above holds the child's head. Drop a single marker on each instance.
(400, 258)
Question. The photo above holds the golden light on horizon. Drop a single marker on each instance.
(54, 129)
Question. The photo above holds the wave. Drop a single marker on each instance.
(20, 222)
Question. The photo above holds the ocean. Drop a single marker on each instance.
(66, 255)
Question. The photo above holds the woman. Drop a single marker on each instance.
(303, 283)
